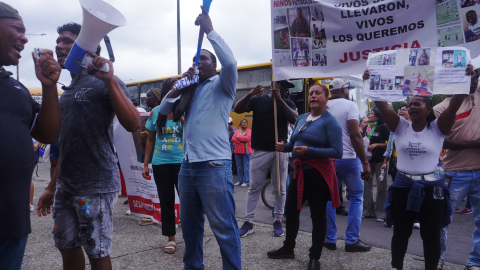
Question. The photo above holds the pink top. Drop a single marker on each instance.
(241, 140)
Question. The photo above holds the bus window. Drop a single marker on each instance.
(252, 78)
(133, 91)
(297, 95)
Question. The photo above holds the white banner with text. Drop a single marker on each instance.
(312, 38)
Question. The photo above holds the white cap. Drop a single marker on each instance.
(339, 83)
(230, 120)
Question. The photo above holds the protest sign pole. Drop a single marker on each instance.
(276, 136)
(206, 5)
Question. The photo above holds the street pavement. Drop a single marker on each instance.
(141, 247)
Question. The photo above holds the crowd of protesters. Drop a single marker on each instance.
(325, 146)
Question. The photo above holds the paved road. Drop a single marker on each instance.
(373, 232)
(141, 247)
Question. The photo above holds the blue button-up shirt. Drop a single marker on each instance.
(206, 134)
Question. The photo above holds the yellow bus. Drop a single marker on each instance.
(251, 76)
(36, 93)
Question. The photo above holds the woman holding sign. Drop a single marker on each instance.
(315, 142)
(166, 136)
(419, 189)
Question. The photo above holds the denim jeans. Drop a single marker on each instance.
(11, 252)
(208, 186)
(465, 183)
(243, 168)
(349, 171)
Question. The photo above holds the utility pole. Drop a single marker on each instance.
(179, 45)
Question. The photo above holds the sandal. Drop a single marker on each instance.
(146, 221)
(170, 247)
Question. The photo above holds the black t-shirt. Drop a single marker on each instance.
(263, 127)
(17, 115)
(380, 135)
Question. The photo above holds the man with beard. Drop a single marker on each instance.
(21, 118)
(87, 181)
(205, 181)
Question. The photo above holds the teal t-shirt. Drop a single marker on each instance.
(169, 144)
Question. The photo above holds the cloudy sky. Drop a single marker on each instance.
(146, 48)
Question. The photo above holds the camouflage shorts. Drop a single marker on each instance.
(85, 221)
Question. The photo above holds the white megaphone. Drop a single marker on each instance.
(99, 18)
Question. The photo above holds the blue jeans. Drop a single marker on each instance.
(11, 252)
(243, 168)
(465, 183)
(208, 186)
(349, 171)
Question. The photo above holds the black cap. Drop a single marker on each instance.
(286, 82)
(7, 11)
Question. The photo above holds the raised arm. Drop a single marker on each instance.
(289, 113)
(460, 145)
(47, 125)
(242, 104)
(447, 118)
(389, 115)
(127, 114)
(228, 73)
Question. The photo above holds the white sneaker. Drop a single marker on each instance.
(128, 212)
(244, 185)
(416, 225)
(32, 207)
(237, 184)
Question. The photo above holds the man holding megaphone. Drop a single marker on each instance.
(205, 180)
(86, 181)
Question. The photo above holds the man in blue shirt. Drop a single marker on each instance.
(205, 181)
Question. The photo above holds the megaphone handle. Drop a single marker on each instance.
(88, 60)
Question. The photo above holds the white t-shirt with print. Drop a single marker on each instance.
(418, 152)
(344, 110)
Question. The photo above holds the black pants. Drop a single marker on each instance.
(166, 179)
(316, 192)
(430, 217)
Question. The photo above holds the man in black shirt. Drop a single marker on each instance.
(263, 144)
(21, 118)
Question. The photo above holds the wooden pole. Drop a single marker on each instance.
(276, 137)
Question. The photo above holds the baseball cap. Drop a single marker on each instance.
(287, 82)
(339, 83)
(7, 11)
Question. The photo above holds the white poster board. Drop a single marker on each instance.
(397, 74)
(313, 38)
(142, 193)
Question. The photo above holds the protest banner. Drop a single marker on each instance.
(142, 193)
(397, 74)
(313, 38)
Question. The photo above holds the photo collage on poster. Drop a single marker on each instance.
(457, 21)
(383, 81)
(299, 37)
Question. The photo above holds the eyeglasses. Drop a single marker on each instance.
(402, 110)
(304, 126)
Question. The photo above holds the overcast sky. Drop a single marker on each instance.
(146, 48)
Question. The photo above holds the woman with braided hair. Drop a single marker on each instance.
(165, 139)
